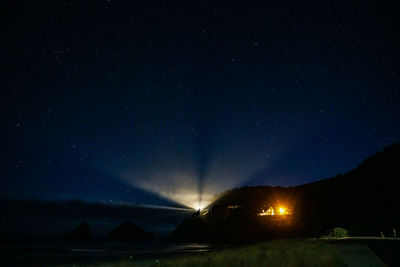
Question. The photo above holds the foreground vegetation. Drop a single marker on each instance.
(273, 253)
(336, 232)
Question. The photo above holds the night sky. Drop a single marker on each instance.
(165, 102)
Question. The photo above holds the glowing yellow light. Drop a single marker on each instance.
(199, 207)
(268, 212)
(282, 210)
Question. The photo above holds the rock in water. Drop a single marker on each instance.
(129, 232)
(81, 233)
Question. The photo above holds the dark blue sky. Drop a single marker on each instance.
(153, 100)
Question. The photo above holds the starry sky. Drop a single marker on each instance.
(170, 102)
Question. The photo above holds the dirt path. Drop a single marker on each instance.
(358, 255)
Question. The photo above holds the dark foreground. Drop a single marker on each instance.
(289, 252)
(60, 253)
(386, 249)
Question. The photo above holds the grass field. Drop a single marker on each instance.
(272, 253)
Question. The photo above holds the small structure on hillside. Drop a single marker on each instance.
(278, 211)
(270, 211)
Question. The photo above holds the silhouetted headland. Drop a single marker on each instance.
(364, 201)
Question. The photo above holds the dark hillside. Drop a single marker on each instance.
(364, 200)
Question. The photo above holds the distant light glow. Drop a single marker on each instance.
(281, 210)
(269, 212)
(199, 207)
(178, 187)
(176, 178)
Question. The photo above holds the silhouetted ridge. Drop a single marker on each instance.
(364, 200)
(193, 225)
